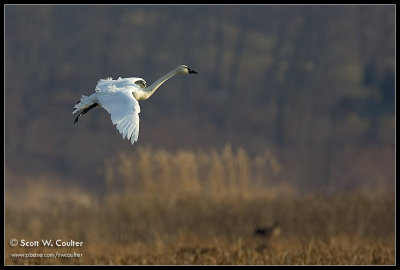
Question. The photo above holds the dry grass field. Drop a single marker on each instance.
(163, 208)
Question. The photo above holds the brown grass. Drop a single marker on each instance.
(198, 208)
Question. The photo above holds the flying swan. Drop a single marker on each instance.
(120, 99)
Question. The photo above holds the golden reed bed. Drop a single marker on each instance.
(193, 208)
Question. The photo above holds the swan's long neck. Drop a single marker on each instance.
(152, 88)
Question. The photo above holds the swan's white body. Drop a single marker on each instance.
(120, 98)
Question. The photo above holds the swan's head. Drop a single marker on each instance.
(183, 69)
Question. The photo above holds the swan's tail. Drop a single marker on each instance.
(84, 105)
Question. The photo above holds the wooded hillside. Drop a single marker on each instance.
(313, 85)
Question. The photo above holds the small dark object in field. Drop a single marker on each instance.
(273, 231)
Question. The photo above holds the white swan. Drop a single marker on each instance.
(120, 98)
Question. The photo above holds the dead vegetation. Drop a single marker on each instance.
(199, 208)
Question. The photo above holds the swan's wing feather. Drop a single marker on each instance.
(121, 84)
(124, 110)
(141, 83)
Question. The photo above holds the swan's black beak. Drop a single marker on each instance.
(192, 71)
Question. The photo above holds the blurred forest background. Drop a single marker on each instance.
(311, 87)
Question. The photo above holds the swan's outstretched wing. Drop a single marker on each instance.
(110, 85)
(124, 110)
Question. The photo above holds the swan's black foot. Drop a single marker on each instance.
(77, 118)
(85, 111)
